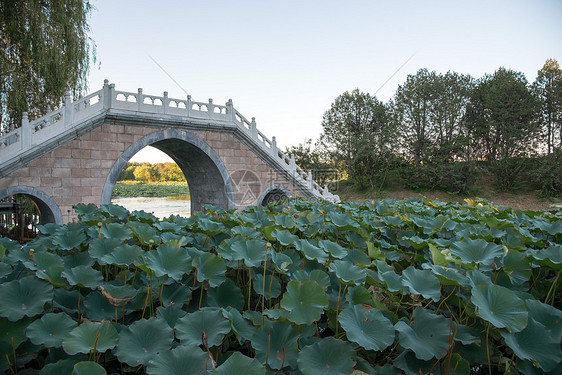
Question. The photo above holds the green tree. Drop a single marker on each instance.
(548, 90)
(357, 135)
(44, 51)
(146, 173)
(501, 119)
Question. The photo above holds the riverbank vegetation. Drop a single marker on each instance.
(446, 132)
(133, 189)
(385, 287)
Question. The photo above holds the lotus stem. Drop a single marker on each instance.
(488, 349)
(263, 283)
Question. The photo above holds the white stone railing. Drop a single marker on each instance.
(75, 115)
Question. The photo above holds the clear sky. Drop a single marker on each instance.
(284, 62)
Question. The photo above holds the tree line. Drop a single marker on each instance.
(150, 173)
(439, 131)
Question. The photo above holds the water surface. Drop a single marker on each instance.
(159, 207)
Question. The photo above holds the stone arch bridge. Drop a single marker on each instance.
(76, 153)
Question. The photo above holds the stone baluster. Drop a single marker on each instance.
(188, 106)
(67, 113)
(25, 131)
(165, 102)
(309, 180)
(274, 147)
(230, 110)
(254, 128)
(293, 166)
(140, 99)
(211, 108)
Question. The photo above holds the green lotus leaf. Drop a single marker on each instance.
(179, 361)
(77, 259)
(359, 295)
(517, 266)
(101, 247)
(342, 220)
(114, 210)
(276, 345)
(305, 301)
(209, 226)
(252, 252)
(326, 357)
(142, 340)
(191, 327)
(245, 231)
(437, 257)
(124, 255)
(536, 344)
(333, 248)
(422, 282)
(240, 364)
(348, 272)
(551, 256)
(49, 228)
(88, 368)
(24, 297)
(477, 251)
(50, 330)
(175, 294)
(5, 270)
(116, 231)
(284, 237)
(171, 261)
(90, 336)
(551, 228)
(276, 314)
(367, 327)
(392, 279)
(170, 314)
(239, 325)
(67, 300)
(319, 276)
(226, 295)
(310, 251)
(43, 260)
(69, 237)
(83, 276)
(282, 262)
(12, 333)
(429, 336)
(500, 306)
(417, 243)
(211, 268)
(272, 286)
(411, 365)
(144, 217)
(447, 275)
(374, 252)
(145, 233)
(548, 316)
(63, 366)
(285, 221)
(98, 308)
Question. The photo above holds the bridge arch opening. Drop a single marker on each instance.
(205, 172)
(273, 194)
(22, 208)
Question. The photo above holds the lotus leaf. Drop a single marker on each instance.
(211, 268)
(142, 340)
(319, 276)
(5, 270)
(170, 261)
(88, 368)
(500, 306)
(24, 297)
(227, 294)
(284, 237)
(116, 231)
(50, 330)
(100, 247)
(536, 344)
(272, 286)
(310, 251)
(326, 357)
(12, 333)
(124, 255)
(305, 301)
(348, 272)
(63, 366)
(170, 314)
(239, 325)
(429, 336)
(98, 308)
(358, 295)
(69, 237)
(245, 232)
(252, 252)
(77, 259)
(83, 276)
(179, 361)
(477, 251)
(421, 282)
(90, 336)
(115, 211)
(240, 364)
(276, 345)
(342, 220)
(447, 275)
(548, 316)
(367, 327)
(211, 323)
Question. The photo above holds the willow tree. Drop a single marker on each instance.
(44, 52)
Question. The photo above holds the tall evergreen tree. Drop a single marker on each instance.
(548, 90)
(44, 51)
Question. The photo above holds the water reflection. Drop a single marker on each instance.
(159, 207)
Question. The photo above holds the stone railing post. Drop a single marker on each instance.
(106, 97)
(67, 110)
(274, 147)
(25, 131)
(293, 166)
(309, 180)
(188, 106)
(211, 108)
(165, 102)
(140, 99)
(254, 128)
(230, 110)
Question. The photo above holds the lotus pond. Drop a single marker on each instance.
(386, 287)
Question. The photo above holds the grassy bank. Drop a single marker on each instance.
(133, 189)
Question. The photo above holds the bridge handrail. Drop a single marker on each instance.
(72, 115)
